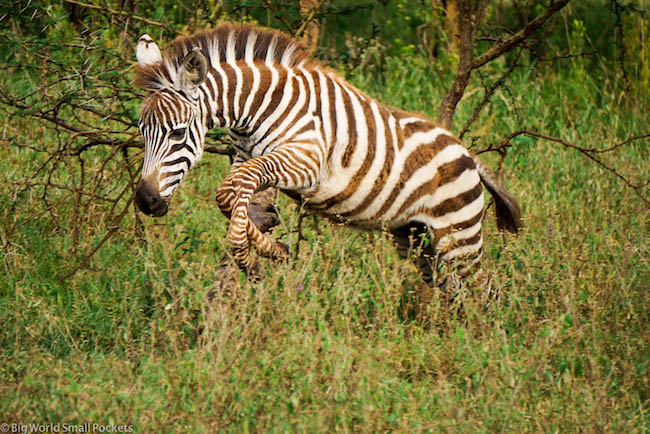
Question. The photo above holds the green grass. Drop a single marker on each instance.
(322, 343)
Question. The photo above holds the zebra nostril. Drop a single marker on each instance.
(158, 206)
(148, 200)
(142, 201)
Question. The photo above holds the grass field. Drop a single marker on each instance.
(323, 342)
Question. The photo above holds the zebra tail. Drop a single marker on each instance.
(507, 208)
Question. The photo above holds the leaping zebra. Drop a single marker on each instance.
(299, 126)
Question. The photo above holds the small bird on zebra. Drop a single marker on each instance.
(300, 127)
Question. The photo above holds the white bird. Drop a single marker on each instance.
(147, 51)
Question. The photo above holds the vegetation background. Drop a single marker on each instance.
(109, 318)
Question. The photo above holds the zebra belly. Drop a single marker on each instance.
(452, 210)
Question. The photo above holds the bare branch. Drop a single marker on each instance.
(520, 36)
(469, 16)
(488, 94)
(312, 14)
(124, 14)
(588, 152)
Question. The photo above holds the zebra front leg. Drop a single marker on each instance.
(289, 167)
(227, 196)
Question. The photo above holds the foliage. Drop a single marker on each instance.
(139, 331)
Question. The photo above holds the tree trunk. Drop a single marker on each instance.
(311, 32)
(464, 17)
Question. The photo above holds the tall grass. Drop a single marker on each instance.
(326, 341)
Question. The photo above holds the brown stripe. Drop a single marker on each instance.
(332, 113)
(352, 128)
(295, 86)
(380, 182)
(178, 161)
(460, 243)
(230, 92)
(204, 109)
(439, 233)
(265, 83)
(303, 111)
(247, 86)
(283, 169)
(399, 133)
(208, 84)
(318, 112)
(170, 174)
(418, 158)
(308, 127)
(213, 96)
(363, 170)
(418, 127)
(446, 174)
(312, 155)
(276, 98)
(218, 79)
(466, 241)
(167, 113)
(458, 202)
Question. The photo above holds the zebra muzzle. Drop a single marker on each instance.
(148, 199)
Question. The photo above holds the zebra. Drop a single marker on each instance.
(298, 126)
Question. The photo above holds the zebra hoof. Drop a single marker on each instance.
(264, 219)
(254, 272)
(281, 252)
(226, 283)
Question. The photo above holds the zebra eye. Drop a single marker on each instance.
(178, 134)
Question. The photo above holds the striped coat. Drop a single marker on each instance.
(300, 127)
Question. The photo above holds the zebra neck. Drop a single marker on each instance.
(251, 100)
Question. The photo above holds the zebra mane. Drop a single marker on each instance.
(225, 43)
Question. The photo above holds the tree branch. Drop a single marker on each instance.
(588, 152)
(124, 13)
(309, 19)
(488, 94)
(520, 36)
(469, 15)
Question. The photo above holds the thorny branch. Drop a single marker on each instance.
(590, 153)
(488, 94)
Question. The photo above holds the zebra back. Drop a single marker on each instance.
(226, 42)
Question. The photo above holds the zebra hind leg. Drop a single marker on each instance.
(415, 241)
(412, 242)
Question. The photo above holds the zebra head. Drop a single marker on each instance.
(173, 126)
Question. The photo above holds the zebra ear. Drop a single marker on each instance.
(194, 71)
(147, 51)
